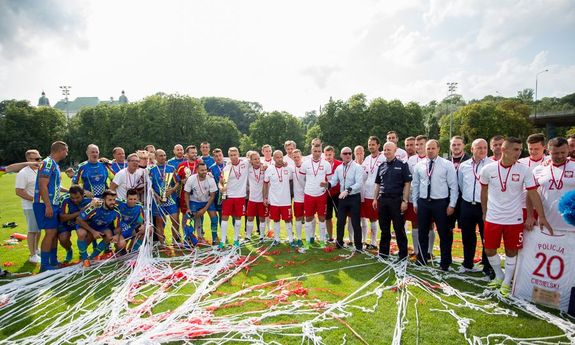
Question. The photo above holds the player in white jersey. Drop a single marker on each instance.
(289, 147)
(277, 196)
(298, 195)
(200, 196)
(233, 186)
(400, 153)
(554, 181)
(536, 148)
(370, 165)
(267, 155)
(315, 171)
(502, 183)
(256, 207)
(131, 177)
(410, 215)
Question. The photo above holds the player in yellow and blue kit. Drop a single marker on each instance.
(132, 220)
(47, 204)
(99, 221)
(70, 208)
(92, 174)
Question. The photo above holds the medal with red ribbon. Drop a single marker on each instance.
(557, 184)
(501, 182)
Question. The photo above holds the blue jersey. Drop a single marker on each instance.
(101, 218)
(209, 160)
(164, 177)
(131, 217)
(50, 170)
(216, 170)
(68, 207)
(114, 167)
(92, 177)
(174, 162)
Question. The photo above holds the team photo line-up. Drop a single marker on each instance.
(500, 196)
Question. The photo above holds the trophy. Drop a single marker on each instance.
(224, 181)
(167, 181)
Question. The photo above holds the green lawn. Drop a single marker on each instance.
(426, 307)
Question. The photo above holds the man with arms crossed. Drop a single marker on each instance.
(25, 183)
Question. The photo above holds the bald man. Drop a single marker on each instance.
(92, 174)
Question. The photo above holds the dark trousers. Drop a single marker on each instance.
(451, 220)
(390, 211)
(350, 205)
(436, 209)
(470, 217)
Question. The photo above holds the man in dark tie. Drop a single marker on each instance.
(434, 195)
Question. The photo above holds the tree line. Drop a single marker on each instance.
(166, 119)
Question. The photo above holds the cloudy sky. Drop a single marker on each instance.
(287, 55)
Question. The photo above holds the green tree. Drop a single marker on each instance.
(24, 127)
(221, 133)
(242, 113)
(275, 128)
(486, 119)
(525, 96)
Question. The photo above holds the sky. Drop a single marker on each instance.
(287, 55)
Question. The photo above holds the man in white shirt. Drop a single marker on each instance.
(502, 184)
(434, 196)
(200, 195)
(298, 195)
(410, 214)
(25, 183)
(131, 177)
(314, 171)
(471, 214)
(289, 147)
(536, 149)
(233, 186)
(277, 196)
(256, 207)
(368, 214)
(555, 180)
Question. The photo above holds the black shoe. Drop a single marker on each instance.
(330, 240)
(444, 268)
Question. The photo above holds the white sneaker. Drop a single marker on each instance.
(35, 259)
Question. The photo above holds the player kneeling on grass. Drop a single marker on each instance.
(200, 194)
(131, 221)
(96, 222)
(71, 207)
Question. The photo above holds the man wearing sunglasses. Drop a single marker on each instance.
(25, 182)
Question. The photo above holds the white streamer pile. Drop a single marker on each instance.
(125, 299)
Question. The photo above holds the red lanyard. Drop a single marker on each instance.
(279, 172)
(238, 173)
(297, 171)
(501, 182)
(558, 185)
(372, 166)
(200, 186)
(475, 167)
(430, 172)
(258, 175)
(345, 168)
(315, 172)
(130, 184)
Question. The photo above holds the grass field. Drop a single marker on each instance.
(426, 307)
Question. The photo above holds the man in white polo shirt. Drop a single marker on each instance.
(256, 207)
(502, 183)
(298, 195)
(233, 186)
(315, 171)
(369, 215)
(200, 197)
(277, 196)
(25, 183)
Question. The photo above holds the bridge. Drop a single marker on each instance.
(552, 119)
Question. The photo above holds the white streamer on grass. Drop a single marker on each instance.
(120, 301)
